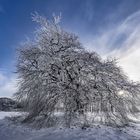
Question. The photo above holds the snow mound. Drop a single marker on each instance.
(8, 114)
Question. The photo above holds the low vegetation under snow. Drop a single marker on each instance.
(11, 131)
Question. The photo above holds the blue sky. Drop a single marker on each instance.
(110, 27)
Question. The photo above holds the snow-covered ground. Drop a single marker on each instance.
(4, 114)
(10, 131)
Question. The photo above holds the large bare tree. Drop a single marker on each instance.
(54, 69)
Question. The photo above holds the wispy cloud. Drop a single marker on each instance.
(123, 42)
(2, 9)
(8, 85)
(89, 11)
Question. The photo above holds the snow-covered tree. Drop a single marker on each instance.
(54, 69)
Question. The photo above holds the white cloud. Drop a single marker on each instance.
(123, 42)
(8, 85)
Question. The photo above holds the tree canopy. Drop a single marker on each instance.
(55, 69)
